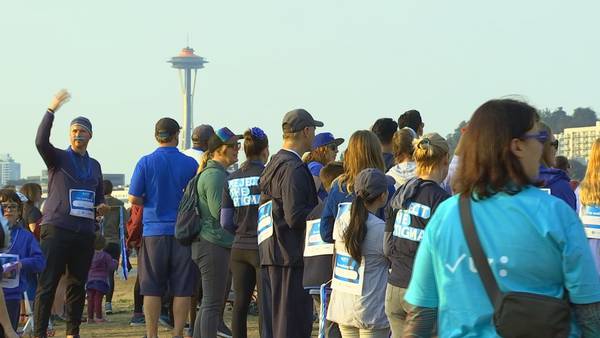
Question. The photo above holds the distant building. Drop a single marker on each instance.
(576, 143)
(116, 179)
(9, 169)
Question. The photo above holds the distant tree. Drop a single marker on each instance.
(558, 119)
(455, 136)
(583, 117)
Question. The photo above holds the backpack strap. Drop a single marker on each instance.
(479, 257)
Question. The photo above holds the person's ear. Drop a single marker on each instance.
(517, 148)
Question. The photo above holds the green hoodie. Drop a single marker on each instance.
(210, 189)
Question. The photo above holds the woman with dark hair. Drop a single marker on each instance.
(32, 216)
(239, 216)
(534, 242)
(555, 181)
(324, 150)
(360, 268)
(23, 246)
(405, 166)
(211, 250)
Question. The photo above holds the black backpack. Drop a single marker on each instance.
(188, 226)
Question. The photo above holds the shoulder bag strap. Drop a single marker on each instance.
(480, 259)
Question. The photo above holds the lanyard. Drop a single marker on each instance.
(83, 173)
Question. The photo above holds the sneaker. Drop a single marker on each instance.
(165, 321)
(137, 321)
(108, 308)
(224, 331)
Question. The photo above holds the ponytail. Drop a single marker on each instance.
(207, 155)
(355, 233)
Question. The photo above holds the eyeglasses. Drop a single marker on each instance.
(541, 136)
(9, 206)
(333, 147)
(554, 144)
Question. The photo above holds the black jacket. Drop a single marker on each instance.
(287, 182)
(407, 215)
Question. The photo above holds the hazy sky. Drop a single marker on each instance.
(347, 62)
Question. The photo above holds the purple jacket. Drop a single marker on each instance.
(102, 266)
(558, 182)
(66, 170)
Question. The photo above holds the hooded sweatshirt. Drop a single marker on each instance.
(402, 172)
(32, 260)
(558, 182)
(408, 213)
(287, 182)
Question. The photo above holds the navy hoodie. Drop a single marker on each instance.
(407, 215)
(287, 182)
(558, 182)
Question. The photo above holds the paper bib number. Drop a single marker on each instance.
(590, 217)
(313, 244)
(265, 222)
(348, 274)
(82, 203)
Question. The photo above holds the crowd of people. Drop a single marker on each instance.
(398, 235)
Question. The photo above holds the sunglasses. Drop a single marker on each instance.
(541, 136)
(332, 147)
(554, 144)
(9, 206)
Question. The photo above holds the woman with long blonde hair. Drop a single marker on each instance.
(364, 151)
(589, 202)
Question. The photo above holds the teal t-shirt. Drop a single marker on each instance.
(534, 242)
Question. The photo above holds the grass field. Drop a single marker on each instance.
(118, 325)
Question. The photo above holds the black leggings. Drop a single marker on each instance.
(245, 268)
(114, 250)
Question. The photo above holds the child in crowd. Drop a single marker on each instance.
(97, 286)
(22, 244)
(361, 268)
(317, 262)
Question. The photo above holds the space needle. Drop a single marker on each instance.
(186, 62)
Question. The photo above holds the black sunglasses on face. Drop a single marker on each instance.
(554, 144)
(333, 147)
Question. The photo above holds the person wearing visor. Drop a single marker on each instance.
(75, 196)
(288, 195)
(211, 250)
(324, 151)
(157, 184)
(200, 137)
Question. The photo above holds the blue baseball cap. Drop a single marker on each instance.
(323, 139)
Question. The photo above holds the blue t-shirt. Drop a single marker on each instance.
(160, 179)
(535, 243)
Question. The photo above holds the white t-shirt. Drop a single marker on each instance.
(194, 153)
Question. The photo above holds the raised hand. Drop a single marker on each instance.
(59, 99)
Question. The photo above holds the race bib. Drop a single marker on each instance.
(590, 217)
(11, 275)
(82, 203)
(265, 222)
(348, 274)
(313, 244)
